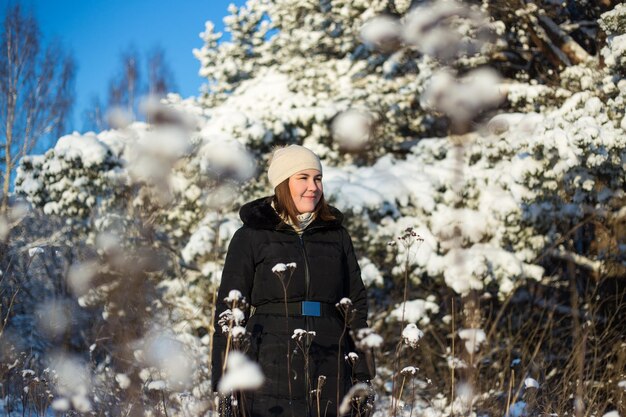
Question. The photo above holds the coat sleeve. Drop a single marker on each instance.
(238, 274)
(365, 369)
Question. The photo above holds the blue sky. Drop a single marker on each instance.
(98, 31)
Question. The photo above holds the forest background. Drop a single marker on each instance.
(477, 149)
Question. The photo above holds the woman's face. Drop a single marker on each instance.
(306, 189)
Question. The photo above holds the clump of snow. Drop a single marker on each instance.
(241, 374)
(80, 276)
(531, 383)
(119, 117)
(415, 311)
(473, 338)
(409, 370)
(87, 149)
(366, 338)
(382, 33)
(60, 404)
(300, 334)
(441, 29)
(233, 296)
(411, 335)
(122, 380)
(73, 377)
(356, 391)
(370, 274)
(158, 385)
(464, 98)
(34, 251)
(170, 356)
(345, 302)
(53, 317)
(352, 129)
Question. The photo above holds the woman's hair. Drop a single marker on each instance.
(287, 208)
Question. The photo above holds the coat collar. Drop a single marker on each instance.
(259, 214)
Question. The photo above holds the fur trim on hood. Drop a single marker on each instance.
(259, 214)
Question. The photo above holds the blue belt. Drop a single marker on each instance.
(299, 308)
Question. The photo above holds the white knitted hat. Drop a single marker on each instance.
(289, 160)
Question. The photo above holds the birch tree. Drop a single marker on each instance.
(36, 90)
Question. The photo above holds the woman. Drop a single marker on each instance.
(295, 225)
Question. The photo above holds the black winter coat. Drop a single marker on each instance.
(325, 250)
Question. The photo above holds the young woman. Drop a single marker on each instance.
(295, 225)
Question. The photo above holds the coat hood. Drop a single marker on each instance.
(259, 214)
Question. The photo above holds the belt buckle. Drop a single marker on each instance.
(311, 308)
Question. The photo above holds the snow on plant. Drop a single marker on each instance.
(80, 277)
(234, 296)
(73, 380)
(356, 393)
(447, 29)
(352, 358)
(613, 22)
(415, 311)
(411, 335)
(409, 370)
(370, 274)
(241, 374)
(352, 130)
(122, 380)
(300, 334)
(473, 339)
(531, 383)
(464, 98)
(382, 33)
(53, 317)
(366, 339)
(171, 359)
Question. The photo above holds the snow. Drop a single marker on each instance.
(233, 296)
(473, 338)
(464, 98)
(34, 251)
(122, 380)
(411, 335)
(158, 385)
(299, 334)
(60, 404)
(367, 339)
(241, 374)
(531, 383)
(381, 32)
(409, 370)
(431, 29)
(86, 148)
(345, 302)
(415, 311)
(80, 276)
(370, 274)
(352, 129)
